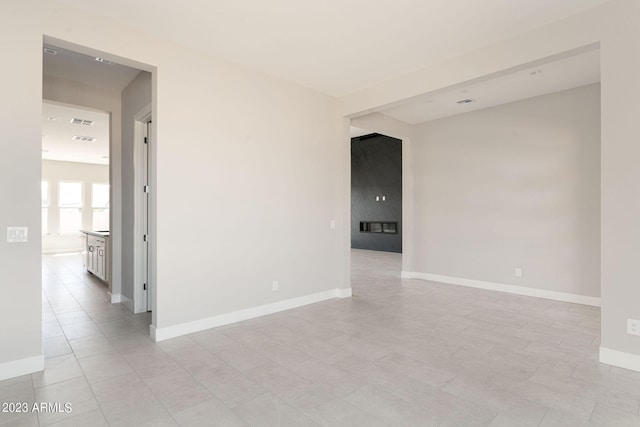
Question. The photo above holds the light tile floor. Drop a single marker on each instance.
(400, 352)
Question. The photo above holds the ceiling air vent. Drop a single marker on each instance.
(84, 138)
(104, 61)
(50, 51)
(82, 122)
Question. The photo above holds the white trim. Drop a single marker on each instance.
(19, 367)
(510, 289)
(119, 298)
(140, 256)
(168, 332)
(620, 359)
(344, 293)
(126, 302)
(406, 275)
(152, 333)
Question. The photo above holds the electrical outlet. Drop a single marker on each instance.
(633, 327)
(275, 285)
(17, 234)
(518, 272)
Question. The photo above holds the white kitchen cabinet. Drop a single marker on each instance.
(97, 262)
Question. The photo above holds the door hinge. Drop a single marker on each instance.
(146, 140)
(144, 238)
(144, 287)
(145, 188)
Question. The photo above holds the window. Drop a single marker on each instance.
(70, 204)
(45, 206)
(100, 205)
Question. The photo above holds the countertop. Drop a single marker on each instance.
(96, 233)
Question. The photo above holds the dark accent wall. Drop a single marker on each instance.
(376, 170)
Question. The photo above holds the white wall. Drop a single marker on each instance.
(20, 163)
(55, 172)
(513, 186)
(135, 97)
(245, 184)
(620, 184)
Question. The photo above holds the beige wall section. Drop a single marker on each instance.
(621, 178)
(513, 186)
(135, 97)
(55, 172)
(20, 163)
(245, 188)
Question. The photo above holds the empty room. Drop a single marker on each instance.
(242, 286)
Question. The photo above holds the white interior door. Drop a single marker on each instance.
(145, 215)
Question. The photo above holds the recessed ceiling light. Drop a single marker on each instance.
(50, 51)
(465, 101)
(51, 118)
(104, 61)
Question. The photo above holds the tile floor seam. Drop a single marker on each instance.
(543, 417)
(160, 402)
(96, 399)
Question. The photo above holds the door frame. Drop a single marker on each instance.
(378, 125)
(142, 298)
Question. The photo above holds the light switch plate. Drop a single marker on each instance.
(17, 234)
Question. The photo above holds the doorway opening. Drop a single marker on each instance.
(487, 156)
(376, 193)
(88, 287)
(378, 196)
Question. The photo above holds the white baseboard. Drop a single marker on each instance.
(126, 302)
(344, 293)
(20, 367)
(511, 289)
(119, 298)
(168, 332)
(620, 359)
(406, 275)
(114, 298)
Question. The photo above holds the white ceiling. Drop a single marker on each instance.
(578, 70)
(85, 69)
(335, 46)
(57, 131)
